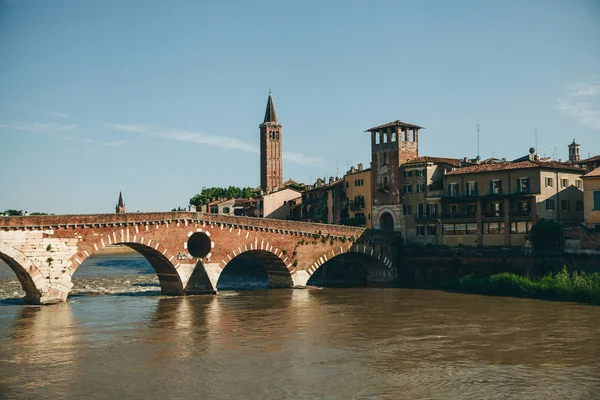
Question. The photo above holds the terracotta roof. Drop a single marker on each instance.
(358, 172)
(395, 123)
(591, 159)
(513, 165)
(425, 159)
(594, 174)
(270, 115)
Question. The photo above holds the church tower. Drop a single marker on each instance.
(574, 152)
(120, 208)
(270, 150)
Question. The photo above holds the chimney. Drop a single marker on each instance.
(330, 180)
(352, 170)
(360, 167)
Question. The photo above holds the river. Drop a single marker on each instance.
(118, 338)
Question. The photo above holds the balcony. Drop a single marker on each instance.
(425, 216)
(520, 213)
(493, 214)
(434, 193)
(356, 205)
(465, 215)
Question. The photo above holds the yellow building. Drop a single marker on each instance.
(358, 196)
(496, 204)
(591, 199)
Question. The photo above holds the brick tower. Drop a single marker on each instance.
(120, 208)
(270, 150)
(392, 145)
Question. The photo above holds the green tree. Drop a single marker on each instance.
(232, 192)
(547, 234)
(13, 213)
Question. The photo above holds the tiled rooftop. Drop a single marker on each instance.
(514, 165)
(594, 174)
(425, 159)
(395, 123)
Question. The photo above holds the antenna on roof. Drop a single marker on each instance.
(536, 139)
(477, 140)
(337, 167)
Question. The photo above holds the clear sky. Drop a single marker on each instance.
(161, 98)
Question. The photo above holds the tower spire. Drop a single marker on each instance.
(120, 208)
(270, 115)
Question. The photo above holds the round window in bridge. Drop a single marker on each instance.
(199, 244)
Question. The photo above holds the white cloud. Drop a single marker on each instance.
(41, 127)
(302, 159)
(59, 131)
(582, 103)
(60, 115)
(224, 142)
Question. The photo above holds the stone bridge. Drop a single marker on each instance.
(187, 250)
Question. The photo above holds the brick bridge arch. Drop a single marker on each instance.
(31, 279)
(377, 257)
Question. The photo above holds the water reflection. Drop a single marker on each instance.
(313, 343)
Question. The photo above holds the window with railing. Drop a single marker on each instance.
(471, 188)
(523, 185)
(453, 189)
(496, 186)
(431, 230)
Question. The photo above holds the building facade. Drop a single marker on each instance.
(496, 204)
(324, 202)
(591, 199)
(274, 204)
(358, 197)
(271, 172)
(421, 191)
(392, 144)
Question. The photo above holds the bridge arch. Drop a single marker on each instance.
(373, 257)
(32, 281)
(168, 276)
(273, 261)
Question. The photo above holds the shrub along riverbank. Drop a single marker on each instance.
(561, 286)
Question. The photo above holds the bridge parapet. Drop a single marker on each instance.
(283, 225)
(42, 221)
(113, 220)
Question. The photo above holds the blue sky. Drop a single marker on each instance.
(159, 99)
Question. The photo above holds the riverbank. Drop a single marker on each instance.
(561, 286)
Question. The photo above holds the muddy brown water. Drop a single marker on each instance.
(359, 343)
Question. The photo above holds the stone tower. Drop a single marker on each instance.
(574, 152)
(270, 150)
(392, 145)
(120, 208)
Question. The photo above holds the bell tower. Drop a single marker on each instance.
(270, 150)
(120, 207)
(574, 152)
